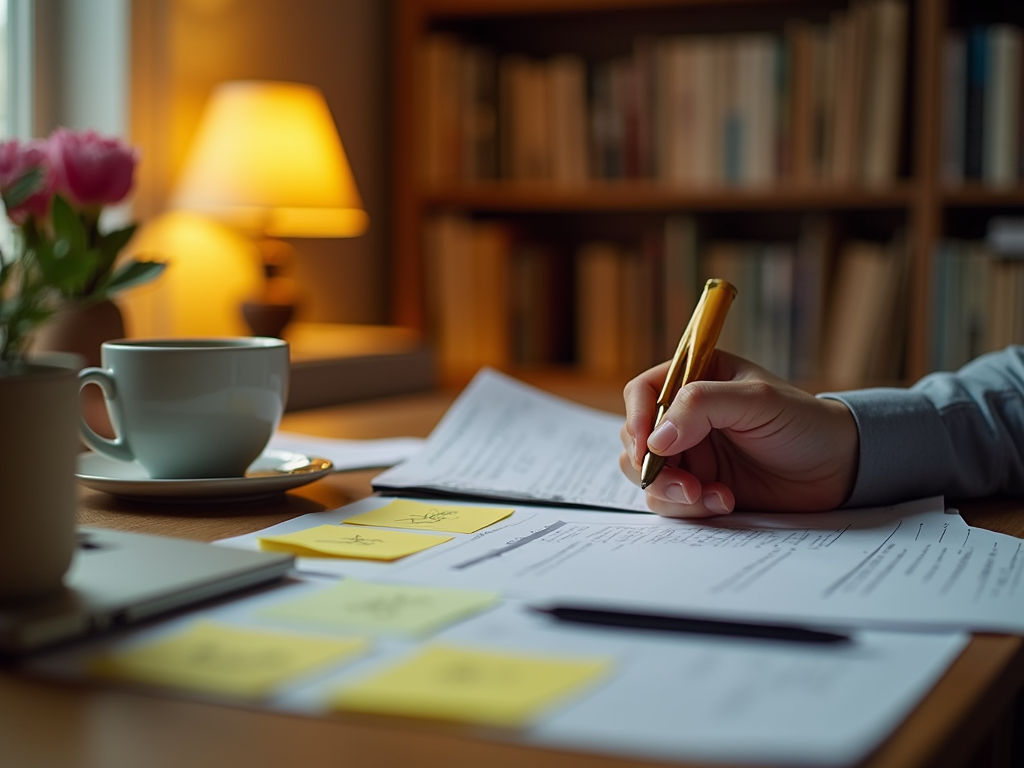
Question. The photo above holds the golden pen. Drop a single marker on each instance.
(691, 358)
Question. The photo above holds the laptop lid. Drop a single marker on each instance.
(119, 578)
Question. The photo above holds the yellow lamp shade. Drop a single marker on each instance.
(267, 158)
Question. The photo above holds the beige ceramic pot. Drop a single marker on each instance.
(38, 448)
(81, 329)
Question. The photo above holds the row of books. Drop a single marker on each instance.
(613, 309)
(819, 102)
(829, 320)
(494, 299)
(983, 91)
(977, 302)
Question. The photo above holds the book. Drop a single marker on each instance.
(885, 363)
(708, 60)
(849, 31)
(441, 99)
(600, 321)
(799, 141)
(1005, 236)
(1001, 331)
(567, 94)
(524, 122)
(644, 63)
(479, 111)
(490, 301)
(604, 130)
(639, 306)
(825, 90)
(954, 73)
(542, 323)
(1000, 137)
(469, 303)
(884, 88)
(860, 304)
(776, 317)
(809, 287)
(758, 73)
(974, 101)
(679, 279)
(447, 240)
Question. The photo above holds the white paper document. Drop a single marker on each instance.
(912, 565)
(349, 454)
(665, 696)
(502, 439)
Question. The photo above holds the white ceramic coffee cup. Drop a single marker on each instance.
(189, 408)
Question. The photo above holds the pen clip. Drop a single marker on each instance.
(679, 360)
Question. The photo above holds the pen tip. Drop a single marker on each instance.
(644, 484)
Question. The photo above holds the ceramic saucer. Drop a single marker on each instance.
(272, 473)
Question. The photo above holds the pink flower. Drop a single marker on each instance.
(17, 158)
(91, 170)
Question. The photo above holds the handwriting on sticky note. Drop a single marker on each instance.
(455, 518)
(383, 608)
(472, 685)
(344, 541)
(214, 658)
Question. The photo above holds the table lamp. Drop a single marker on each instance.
(267, 159)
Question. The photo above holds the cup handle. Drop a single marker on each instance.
(116, 448)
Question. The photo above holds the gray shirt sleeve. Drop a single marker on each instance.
(957, 434)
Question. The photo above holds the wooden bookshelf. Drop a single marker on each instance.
(915, 203)
(628, 195)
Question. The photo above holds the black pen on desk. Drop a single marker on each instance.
(689, 624)
(691, 358)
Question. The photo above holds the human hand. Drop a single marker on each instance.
(740, 438)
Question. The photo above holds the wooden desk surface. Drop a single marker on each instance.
(57, 725)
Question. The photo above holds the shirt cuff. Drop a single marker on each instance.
(894, 425)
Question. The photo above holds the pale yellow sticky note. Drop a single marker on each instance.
(344, 541)
(472, 685)
(388, 608)
(435, 516)
(209, 657)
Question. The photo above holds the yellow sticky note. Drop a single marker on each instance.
(388, 608)
(435, 516)
(210, 657)
(344, 541)
(451, 683)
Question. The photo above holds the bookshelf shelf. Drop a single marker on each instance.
(503, 153)
(979, 196)
(461, 9)
(503, 196)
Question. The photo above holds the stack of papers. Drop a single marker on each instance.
(440, 625)
(349, 454)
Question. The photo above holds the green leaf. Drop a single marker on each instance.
(23, 188)
(112, 243)
(64, 267)
(108, 246)
(68, 226)
(129, 274)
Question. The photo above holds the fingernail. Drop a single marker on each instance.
(714, 502)
(676, 492)
(663, 436)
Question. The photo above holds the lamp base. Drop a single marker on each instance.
(267, 319)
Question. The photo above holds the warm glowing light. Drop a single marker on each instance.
(267, 158)
(211, 269)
